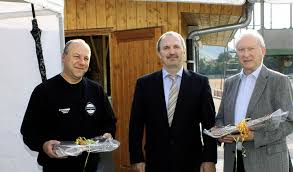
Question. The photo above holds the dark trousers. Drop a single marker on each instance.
(290, 164)
(240, 166)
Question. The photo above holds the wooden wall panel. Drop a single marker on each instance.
(121, 15)
(110, 13)
(237, 10)
(65, 16)
(226, 9)
(205, 8)
(152, 14)
(131, 14)
(115, 66)
(91, 15)
(215, 9)
(141, 21)
(205, 15)
(71, 14)
(118, 15)
(195, 8)
(81, 14)
(130, 58)
(182, 7)
(173, 23)
(163, 15)
(101, 13)
(124, 96)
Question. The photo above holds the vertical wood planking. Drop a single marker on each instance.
(152, 14)
(81, 14)
(214, 20)
(141, 20)
(123, 98)
(114, 68)
(148, 58)
(194, 8)
(128, 62)
(226, 9)
(205, 18)
(173, 24)
(163, 15)
(121, 14)
(131, 14)
(215, 9)
(91, 15)
(65, 15)
(110, 13)
(182, 7)
(157, 62)
(101, 13)
(71, 14)
(237, 10)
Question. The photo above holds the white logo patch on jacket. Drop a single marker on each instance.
(65, 110)
(90, 108)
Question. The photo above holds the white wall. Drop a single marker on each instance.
(19, 74)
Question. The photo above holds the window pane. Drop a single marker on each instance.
(283, 20)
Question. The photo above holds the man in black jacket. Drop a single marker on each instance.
(66, 107)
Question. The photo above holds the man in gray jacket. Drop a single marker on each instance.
(254, 92)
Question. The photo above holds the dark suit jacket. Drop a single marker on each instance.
(179, 147)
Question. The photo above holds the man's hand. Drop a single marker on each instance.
(107, 136)
(48, 148)
(139, 167)
(250, 136)
(207, 167)
(227, 139)
(231, 138)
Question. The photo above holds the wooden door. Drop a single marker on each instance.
(132, 54)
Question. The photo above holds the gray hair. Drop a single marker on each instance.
(74, 41)
(174, 34)
(252, 33)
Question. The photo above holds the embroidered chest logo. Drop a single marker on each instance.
(90, 108)
(65, 110)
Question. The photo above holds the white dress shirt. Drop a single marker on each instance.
(247, 83)
(167, 82)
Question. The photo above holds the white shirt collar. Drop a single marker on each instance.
(255, 73)
(179, 73)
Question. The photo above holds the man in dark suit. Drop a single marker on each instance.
(172, 123)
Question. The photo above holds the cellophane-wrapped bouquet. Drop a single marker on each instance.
(95, 145)
(268, 122)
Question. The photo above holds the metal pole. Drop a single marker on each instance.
(261, 16)
(190, 54)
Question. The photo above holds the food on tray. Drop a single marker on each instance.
(84, 141)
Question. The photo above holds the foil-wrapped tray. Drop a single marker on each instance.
(69, 148)
(267, 122)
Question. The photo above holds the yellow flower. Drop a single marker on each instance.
(243, 129)
(83, 141)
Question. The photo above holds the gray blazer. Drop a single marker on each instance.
(268, 152)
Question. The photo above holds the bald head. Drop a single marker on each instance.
(75, 41)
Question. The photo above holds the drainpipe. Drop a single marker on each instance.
(191, 61)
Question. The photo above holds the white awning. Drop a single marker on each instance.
(22, 8)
